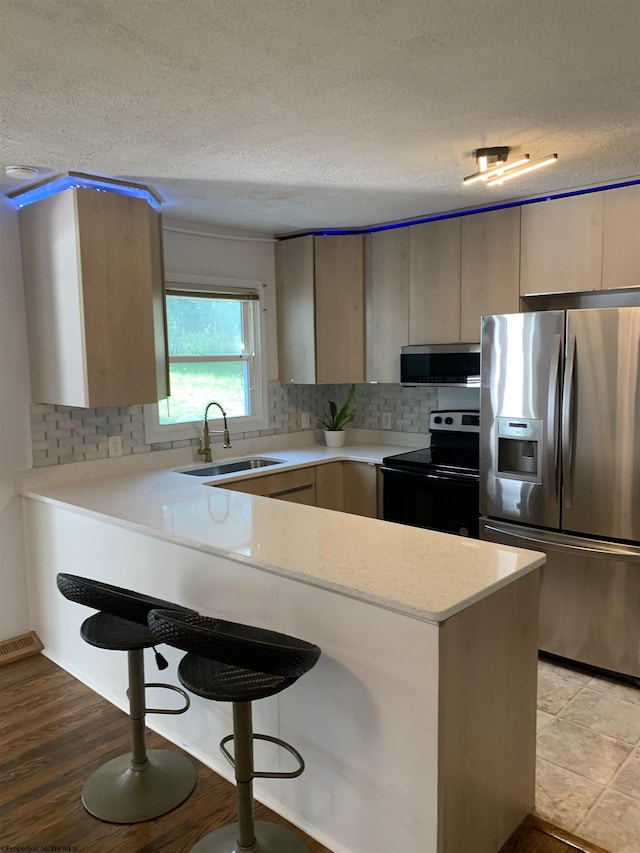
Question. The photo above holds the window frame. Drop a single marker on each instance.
(157, 433)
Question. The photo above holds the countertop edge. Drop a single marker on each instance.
(402, 608)
(380, 566)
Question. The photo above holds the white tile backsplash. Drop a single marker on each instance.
(61, 434)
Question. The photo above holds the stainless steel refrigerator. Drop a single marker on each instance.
(560, 471)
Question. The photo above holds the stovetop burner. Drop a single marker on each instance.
(454, 450)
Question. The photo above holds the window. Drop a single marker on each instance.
(214, 333)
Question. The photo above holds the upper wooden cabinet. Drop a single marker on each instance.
(93, 277)
(434, 282)
(319, 289)
(387, 302)
(621, 238)
(562, 245)
(489, 268)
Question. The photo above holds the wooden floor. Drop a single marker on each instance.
(54, 731)
(535, 835)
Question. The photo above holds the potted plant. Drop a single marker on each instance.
(337, 419)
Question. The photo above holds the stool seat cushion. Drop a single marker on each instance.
(124, 603)
(231, 662)
(234, 644)
(224, 683)
(111, 632)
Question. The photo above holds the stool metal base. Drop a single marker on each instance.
(118, 794)
(270, 838)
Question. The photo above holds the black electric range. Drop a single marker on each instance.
(437, 487)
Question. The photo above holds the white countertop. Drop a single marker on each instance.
(421, 573)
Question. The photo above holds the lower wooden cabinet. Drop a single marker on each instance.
(342, 486)
(348, 487)
(330, 486)
(298, 486)
(360, 489)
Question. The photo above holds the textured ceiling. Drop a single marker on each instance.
(284, 115)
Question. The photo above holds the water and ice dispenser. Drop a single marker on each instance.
(520, 449)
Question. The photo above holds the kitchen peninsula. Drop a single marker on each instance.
(417, 724)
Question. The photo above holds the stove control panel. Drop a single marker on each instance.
(455, 420)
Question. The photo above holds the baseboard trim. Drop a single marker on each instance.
(22, 646)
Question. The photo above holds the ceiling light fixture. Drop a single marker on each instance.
(500, 178)
(21, 173)
(490, 161)
(493, 167)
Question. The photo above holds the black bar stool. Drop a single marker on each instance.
(229, 662)
(145, 783)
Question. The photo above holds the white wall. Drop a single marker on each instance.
(237, 256)
(15, 438)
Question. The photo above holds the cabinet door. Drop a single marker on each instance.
(339, 305)
(118, 238)
(361, 489)
(330, 486)
(489, 268)
(562, 245)
(48, 234)
(296, 310)
(621, 238)
(276, 485)
(387, 303)
(434, 282)
(94, 295)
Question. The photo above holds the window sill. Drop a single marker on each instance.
(156, 433)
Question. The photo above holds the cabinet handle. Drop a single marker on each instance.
(290, 491)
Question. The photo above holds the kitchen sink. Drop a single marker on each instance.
(232, 466)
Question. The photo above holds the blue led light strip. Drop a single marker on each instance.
(329, 232)
(68, 182)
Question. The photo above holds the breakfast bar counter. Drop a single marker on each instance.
(418, 723)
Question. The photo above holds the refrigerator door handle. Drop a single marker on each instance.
(593, 547)
(567, 423)
(552, 408)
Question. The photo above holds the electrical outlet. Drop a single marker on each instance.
(386, 420)
(305, 420)
(114, 444)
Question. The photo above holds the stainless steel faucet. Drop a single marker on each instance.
(205, 450)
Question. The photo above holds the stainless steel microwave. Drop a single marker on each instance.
(441, 364)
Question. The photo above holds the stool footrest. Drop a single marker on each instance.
(183, 693)
(264, 774)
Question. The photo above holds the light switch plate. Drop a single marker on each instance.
(114, 445)
(305, 420)
(386, 420)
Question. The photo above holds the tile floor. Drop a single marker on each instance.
(588, 763)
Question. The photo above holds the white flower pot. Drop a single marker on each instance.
(335, 437)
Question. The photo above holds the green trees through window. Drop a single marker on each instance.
(211, 354)
(204, 326)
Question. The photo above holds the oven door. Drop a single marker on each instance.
(438, 502)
